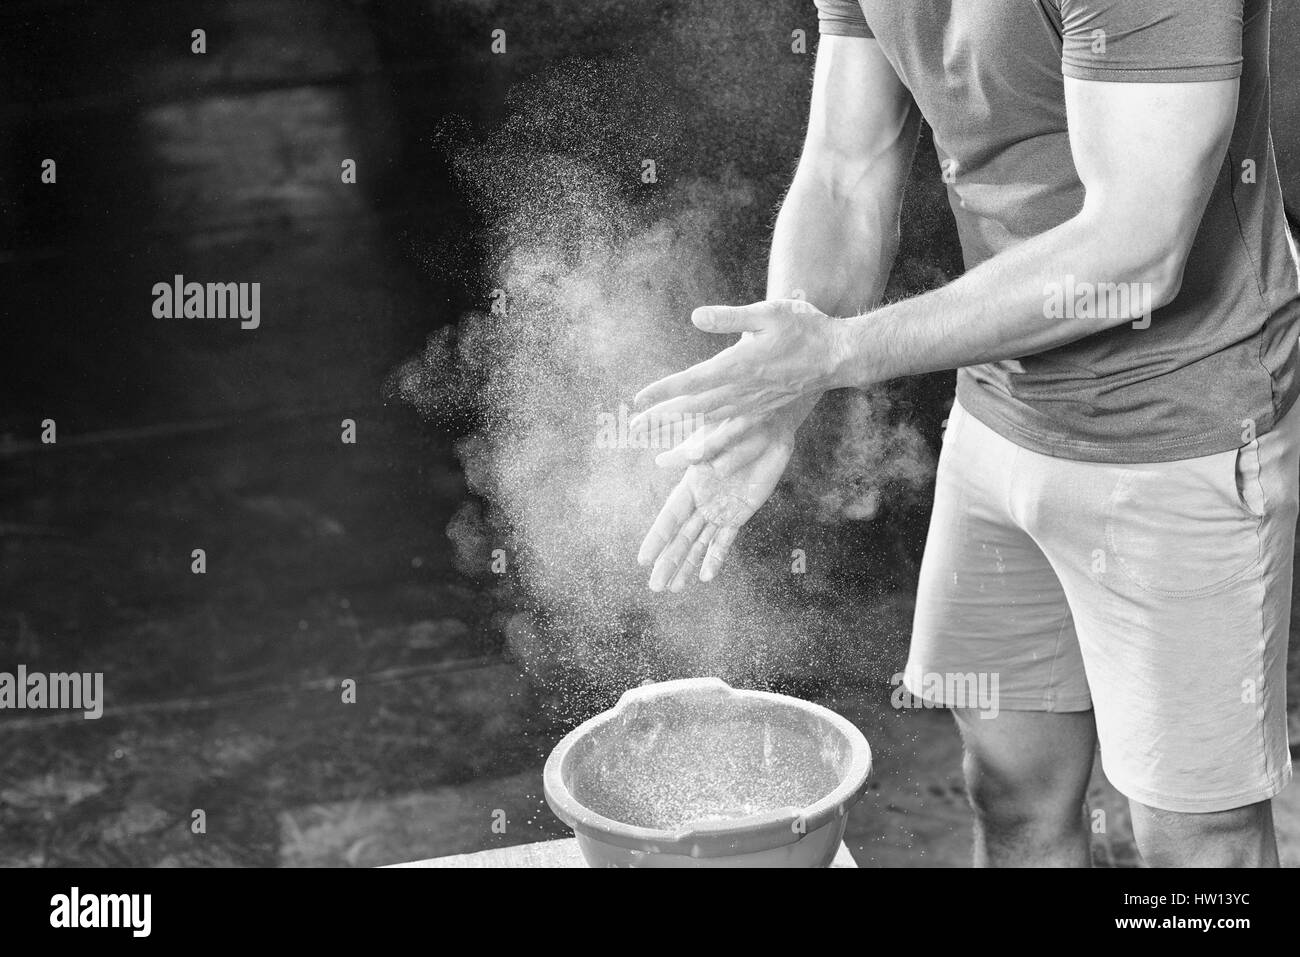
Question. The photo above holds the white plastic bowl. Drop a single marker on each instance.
(806, 836)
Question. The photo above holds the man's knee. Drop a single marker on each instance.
(1028, 770)
(1240, 837)
(1010, 797)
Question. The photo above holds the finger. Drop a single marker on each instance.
(717, 554)
(683, 408)
(723, 319)
(694, 557)
(698, 378)
(678, 456)
(705, 442)
(677, 509)
(671, 557)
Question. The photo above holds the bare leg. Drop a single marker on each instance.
(1027, 776)
(1241, 837)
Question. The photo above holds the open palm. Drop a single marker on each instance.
(703, 514)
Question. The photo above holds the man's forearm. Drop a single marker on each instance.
(834, 251)
(1006, 307)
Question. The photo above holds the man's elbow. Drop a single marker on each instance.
(1143, 257)
(1143, 279)
(1165, 276)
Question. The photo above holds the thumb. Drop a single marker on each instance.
(724, 319)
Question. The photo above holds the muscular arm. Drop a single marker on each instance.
(1147, 154)
(833, 247)
(837, 233)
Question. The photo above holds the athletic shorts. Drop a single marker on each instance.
(1159, 596)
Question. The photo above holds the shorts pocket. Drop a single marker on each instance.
(1189, 527)
(1246, 475)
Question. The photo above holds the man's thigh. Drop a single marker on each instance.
(1158, 594)
(1178, 576)
(990, 612)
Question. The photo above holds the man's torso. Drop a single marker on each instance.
(1218, 363)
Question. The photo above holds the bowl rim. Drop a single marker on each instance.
(769, 830)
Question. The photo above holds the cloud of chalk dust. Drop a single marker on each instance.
(592, 276)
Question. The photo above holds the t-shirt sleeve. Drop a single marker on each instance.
(841, 18)
(1151, 40)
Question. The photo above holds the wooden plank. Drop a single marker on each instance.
(562, 853)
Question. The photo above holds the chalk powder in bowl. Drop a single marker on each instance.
(697, 765)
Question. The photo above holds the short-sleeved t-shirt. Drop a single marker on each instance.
(1219, 362)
